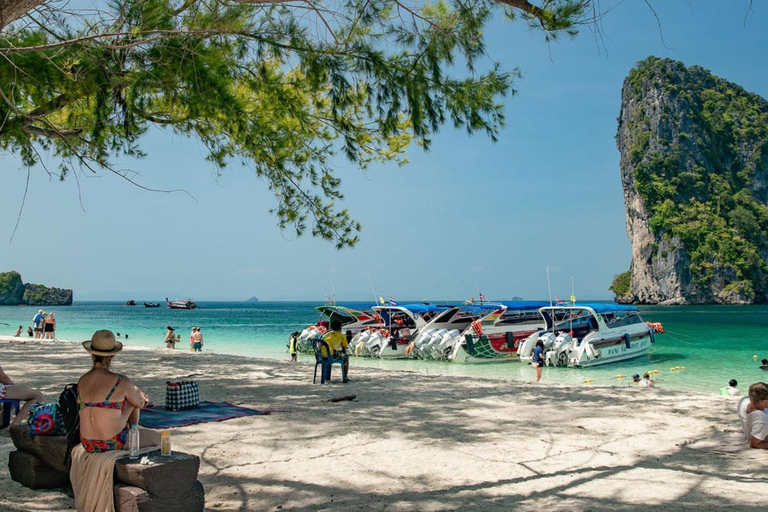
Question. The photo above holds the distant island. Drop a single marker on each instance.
(253, 299)
(694, 169)
(13, 291)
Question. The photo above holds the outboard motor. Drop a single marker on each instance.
(447, 342)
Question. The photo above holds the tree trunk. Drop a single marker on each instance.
(11, 10)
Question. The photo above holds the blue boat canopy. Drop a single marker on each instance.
(419, 309)
(600, 307)
(524, 304)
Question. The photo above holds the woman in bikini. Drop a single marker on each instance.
(109, 403)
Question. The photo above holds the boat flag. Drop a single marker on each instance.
(382, 300)
(392, 301)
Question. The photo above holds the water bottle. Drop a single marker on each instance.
(165, 443)
(133, 442)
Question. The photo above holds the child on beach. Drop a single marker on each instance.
(731, 390)
(293, 341)
(646, 381)
(538, 360)
(754, 420)
(18, 331)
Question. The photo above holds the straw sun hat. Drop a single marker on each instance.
(103, 343)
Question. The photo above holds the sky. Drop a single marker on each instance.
(468, 216)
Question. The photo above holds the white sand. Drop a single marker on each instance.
(417, 442)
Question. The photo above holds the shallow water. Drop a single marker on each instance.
(713, 343)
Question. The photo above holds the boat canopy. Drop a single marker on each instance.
(345, 314)
(598, 307)
(418, 309)
(523, 304)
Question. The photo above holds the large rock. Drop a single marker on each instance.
(13, 291)
(694, 169)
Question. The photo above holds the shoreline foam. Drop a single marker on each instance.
(423, 442)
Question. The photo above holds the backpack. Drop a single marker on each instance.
(70, 415)
(45, 420)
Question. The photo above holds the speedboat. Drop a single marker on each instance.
(439, 338)
(590, 334)
(181, 304)
(401, 324)
(354, 319)
(497, 335)
(151, 304)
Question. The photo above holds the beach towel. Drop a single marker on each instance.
(92, 477)
(159, 417)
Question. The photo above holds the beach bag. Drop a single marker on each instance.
(45, 420)
(70, 415)
(180, 396)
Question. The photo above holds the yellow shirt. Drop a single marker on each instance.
(335, 341)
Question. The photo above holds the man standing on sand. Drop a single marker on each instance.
(197, 340)
(754, 420)
(337, 342)
(38, 321)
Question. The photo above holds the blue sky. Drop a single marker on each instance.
(468, 216)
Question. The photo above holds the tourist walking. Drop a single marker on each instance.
(50, 327)
(538, 359)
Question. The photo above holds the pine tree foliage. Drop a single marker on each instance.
(286, 88)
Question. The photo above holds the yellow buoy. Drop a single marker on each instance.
(655, 371)
(682, 367)
(671, 369)
(620, 376)
(678, 367)
(754, 357)
(588, 381)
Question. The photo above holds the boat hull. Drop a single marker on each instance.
(615, 352)
(490, 348)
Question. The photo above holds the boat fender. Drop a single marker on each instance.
(627, 340)
(470, 345)
(652, 334)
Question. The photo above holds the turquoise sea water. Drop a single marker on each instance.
(713, 343)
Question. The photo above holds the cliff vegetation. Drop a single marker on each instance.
(694, 152)
(14, 291)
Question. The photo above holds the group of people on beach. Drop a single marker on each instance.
(195, 339)
(44, 327)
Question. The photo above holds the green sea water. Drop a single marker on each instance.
(713, 343)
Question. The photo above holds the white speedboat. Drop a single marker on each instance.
(438, 339)
(401, 324)
(496, 336)
(354, 319)
(590, 335)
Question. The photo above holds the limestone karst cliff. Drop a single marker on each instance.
(13, 292)
(694, 169)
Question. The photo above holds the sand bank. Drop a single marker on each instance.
(419, 442)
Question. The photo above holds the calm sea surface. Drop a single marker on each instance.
(713, 343)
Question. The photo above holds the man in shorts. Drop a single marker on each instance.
(337, 342)
(38, 321)
(11, 390)
(754, 420)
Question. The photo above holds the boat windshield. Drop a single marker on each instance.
(579, 322)
(621, 318)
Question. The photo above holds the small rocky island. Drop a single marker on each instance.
(253, 299)
(14, 292)
(694, 169)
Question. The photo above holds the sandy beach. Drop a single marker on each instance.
(419, 442)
